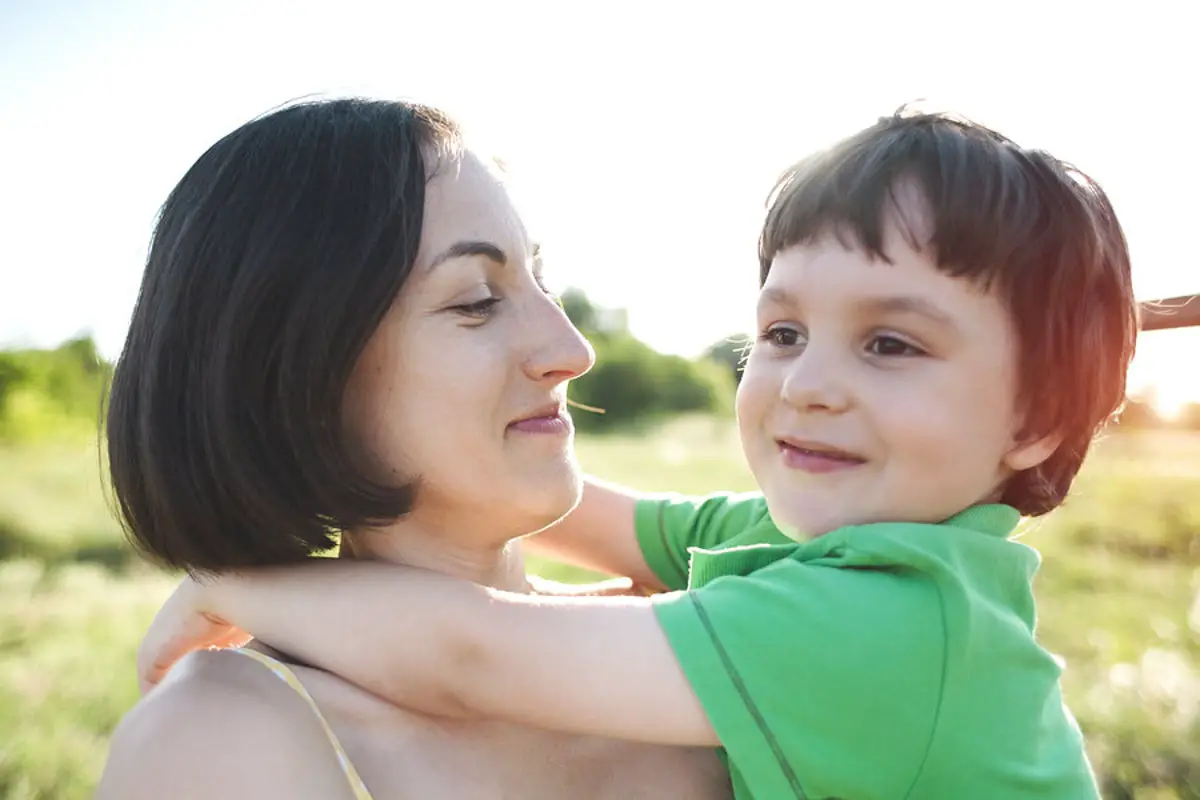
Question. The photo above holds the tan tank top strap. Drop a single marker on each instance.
(284, 673)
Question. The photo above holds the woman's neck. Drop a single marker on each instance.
(500, 566)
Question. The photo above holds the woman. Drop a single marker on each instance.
(343, 326)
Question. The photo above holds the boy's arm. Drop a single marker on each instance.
(599, 666)
(599, 534)
(645, 537)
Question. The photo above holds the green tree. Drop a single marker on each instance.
(632, 382)
(12, 373)
(579, 309)
(52, 392)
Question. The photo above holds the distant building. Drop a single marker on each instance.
(611, 320)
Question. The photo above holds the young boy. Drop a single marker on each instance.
(945, 322)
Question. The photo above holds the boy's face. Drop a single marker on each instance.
(878, 392)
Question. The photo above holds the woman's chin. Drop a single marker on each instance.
(547, 501)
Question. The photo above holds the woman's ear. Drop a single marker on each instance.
(1030, 452)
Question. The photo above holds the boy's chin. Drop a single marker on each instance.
(804, 525)
(793, 532)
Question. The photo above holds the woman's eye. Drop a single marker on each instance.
(480, 308)
(781, 336)
(893, 346)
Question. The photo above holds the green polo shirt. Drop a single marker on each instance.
(890, 660)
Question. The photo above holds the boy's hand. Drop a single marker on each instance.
(182, 625)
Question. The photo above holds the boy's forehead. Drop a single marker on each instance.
(834, 274)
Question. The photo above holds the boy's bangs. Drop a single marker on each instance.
(976, 203)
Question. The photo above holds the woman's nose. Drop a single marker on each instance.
(563, 352)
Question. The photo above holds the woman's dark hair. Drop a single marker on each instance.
(272, 263)
(1036, 228)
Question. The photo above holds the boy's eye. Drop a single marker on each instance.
(893, 346)
(781, 336)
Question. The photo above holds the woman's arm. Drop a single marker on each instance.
(221, 726)
(599, 666)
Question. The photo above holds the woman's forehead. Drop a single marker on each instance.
(467, 201)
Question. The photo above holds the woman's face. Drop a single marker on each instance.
(463, 385)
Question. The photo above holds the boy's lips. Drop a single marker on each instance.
(816, 457)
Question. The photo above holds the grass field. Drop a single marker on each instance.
(1119, 594)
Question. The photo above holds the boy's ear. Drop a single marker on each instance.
(1030, 452)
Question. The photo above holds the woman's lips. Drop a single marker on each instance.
(556, 424)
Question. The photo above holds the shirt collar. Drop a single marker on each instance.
(993, 519)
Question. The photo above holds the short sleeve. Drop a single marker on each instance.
(667, 525)
(819, 681)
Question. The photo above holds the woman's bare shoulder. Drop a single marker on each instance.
(220, 725)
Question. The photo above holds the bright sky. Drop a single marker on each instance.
(643, 135)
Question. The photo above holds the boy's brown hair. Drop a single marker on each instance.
(1032, 227)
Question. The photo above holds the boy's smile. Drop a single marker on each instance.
(816, 457)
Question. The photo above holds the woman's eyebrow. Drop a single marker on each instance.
(888, 304)
(470, 248)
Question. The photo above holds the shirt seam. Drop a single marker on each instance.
(937, 711)
(740, 685)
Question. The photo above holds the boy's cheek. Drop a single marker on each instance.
(756, 393)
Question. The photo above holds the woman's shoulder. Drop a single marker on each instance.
(221, 724)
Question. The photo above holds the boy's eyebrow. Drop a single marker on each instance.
(775, 296)
(907, 304)
(892, 304)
